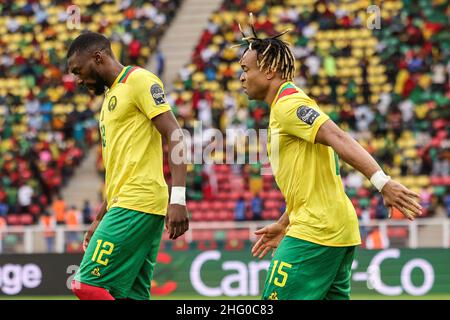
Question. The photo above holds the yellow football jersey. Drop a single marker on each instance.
(308, 173)
(131, 144)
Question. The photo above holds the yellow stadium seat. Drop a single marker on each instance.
(423, 181)
(374, 98)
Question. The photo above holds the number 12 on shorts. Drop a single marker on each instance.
(280, 282)
(107, 246)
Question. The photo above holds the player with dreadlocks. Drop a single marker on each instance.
(317, 235)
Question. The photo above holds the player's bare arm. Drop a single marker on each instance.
(271, 236)
(177, 222)
(94, 224)
(394, 194)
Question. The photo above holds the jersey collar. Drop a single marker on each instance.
(121, 75)
(285, 89)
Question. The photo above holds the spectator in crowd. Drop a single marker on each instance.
(257, 205)
(45, 128)
(48, 222)
(240, 209)
(377, 240)
(73, 222)
(447, 203)
(4, 208)
(160, 64)
(255, 178)
(25, 195)
(425, 197)
(87, 212)
(2, 227)
(59, 210)
(402, 111)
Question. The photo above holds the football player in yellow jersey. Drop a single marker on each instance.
(316, 236)
(122, 243)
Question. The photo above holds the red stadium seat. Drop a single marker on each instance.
(267, 185)
(272, 204)
(222, 215)
(398, 232)
(230, 205)
(196, 216)
(267, 215)
(275, 214)
(217, 205)
(233, 195)
(247, 195)
(193, 205)
(437, 180)
(230, 216)
(210, 215)
(447, 180)
(204, 205)
(13, 219)
(26, 219)
(273, 194)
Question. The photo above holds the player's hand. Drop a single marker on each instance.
(271, 236)
(177, 221)
(398, 196)
(89, 233)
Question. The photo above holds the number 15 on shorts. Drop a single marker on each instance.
(281, 276)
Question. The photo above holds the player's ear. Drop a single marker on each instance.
(98, 57)
(270, 74)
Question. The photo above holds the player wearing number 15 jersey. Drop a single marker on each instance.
(315, 239)
(122, 243)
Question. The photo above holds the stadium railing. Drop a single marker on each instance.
(31, 239)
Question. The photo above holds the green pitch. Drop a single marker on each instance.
(194, 297)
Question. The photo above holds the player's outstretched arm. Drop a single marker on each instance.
(271, 236)
(177, 222)
(349, 150)
(94, 224)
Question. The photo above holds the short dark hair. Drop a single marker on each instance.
(273, 54)
(89, 41)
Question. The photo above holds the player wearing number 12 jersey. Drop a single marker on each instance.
(122, 243)
(315, 239)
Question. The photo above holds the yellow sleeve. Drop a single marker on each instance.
(148, 94)
(301, 119)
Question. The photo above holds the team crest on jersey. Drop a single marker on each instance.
(307, 114)
(96, 272)
(273, 296)
(112, 103)
(157, 94)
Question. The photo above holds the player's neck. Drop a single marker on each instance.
(273, 90)
(112, 72)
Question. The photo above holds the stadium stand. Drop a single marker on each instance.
(388, 87)
(46, 124)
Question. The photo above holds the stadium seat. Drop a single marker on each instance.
(13, 219)
(26, 219)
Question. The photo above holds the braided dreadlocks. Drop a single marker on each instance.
(273, 54)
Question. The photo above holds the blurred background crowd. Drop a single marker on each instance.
(387, 85)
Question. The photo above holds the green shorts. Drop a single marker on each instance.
(121, 254)
(302, 270)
